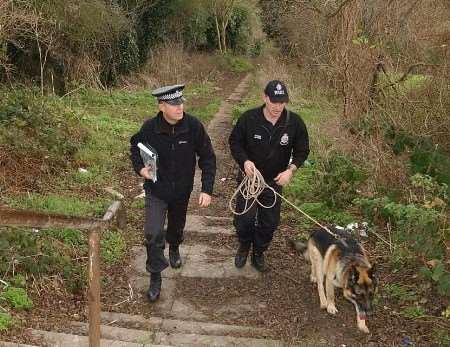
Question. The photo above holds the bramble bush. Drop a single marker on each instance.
(420, 226)
(337, 180)
(37, 127)
(326, 189)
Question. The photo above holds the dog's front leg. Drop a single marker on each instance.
(318, 267)
(330, 268)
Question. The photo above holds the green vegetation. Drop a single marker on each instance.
(55, 252)
(424, 156)
(97, 42)
(39, 127)
(400, 293)
(112, 246)
(413, 312)
(420, 227)
(17, 298)
(5, 321)
(234, 63)
(68, 205)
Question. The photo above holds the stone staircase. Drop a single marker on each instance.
(178, 322)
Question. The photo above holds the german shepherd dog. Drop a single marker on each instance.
(341, 262)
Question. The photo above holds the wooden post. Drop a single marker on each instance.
(94, 288)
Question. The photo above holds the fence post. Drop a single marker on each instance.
(94, 288)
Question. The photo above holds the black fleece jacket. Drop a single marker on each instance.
(178, 147)
(269, 147)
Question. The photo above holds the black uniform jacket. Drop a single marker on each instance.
(269, 147)
(177, 147)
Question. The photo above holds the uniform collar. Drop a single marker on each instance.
(281, 121)
(162, 126)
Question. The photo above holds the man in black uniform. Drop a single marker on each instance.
(177, 138)
(275, 141)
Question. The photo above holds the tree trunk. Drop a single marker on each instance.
(219, 42)
(224, 37)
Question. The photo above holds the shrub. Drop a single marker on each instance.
(324, 214)
(425, 157)
(41, 254)
(419, 233)
(337, 180)
(42, 135)
(439, 276)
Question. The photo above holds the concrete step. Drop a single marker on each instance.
(180, 326)
(173, 306)
(209, 224)
(69, 340)
(198, 261)
(14, 344)
(176, 339)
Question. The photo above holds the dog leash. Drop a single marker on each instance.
(251, 187)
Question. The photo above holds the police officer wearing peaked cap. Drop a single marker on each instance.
(178, 138)
(275, 141)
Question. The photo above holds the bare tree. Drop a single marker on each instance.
(222, 11)
(44, 32)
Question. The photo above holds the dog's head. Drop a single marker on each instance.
(360, 289)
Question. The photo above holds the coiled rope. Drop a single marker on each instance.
(252, 187)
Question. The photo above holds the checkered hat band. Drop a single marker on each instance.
(171, 96)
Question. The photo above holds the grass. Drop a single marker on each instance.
(119, 104)
(113, 246)
(400, 293)
(206, 111)
(17, 298)
(413, 81)
(61, 204)
(5, 321)
(233, 63)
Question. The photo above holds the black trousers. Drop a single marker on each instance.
(258, 224)
(156, 211)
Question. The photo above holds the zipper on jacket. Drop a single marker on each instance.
(173, 137)
(268, 132)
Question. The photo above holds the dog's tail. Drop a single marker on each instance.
(300, 247)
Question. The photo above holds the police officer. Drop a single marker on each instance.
(275, 141)
(178, 138)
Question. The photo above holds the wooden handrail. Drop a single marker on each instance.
(32, 219)
(13, 217)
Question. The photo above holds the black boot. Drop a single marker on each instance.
(258, 261)
(155, 286)
(241, 255)
(174, 257)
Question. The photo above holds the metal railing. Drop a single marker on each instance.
(31, 219)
